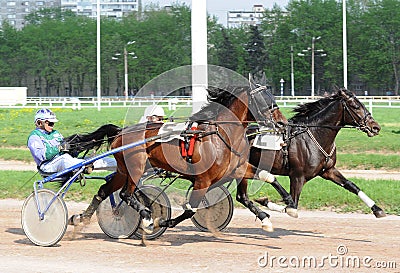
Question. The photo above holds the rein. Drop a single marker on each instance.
(227, 144)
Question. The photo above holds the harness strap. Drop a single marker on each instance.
(227, 145)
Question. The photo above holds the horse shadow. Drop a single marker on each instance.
(179, 236)
(256, 236)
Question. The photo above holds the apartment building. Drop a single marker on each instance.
(242, 17)
(14, 11)
(108, 8)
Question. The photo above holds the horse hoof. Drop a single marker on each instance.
(379, 214)
(267, 225)
(75, 220)
(148, 226)
(292, 212)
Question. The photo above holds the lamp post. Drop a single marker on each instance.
(313, 50)
(126, 66)
(312, 65)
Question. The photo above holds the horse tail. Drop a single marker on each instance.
(78, 143)
(109, 130)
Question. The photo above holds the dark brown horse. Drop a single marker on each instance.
(310, 149)
(220, 150)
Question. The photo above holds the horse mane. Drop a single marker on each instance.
(218, 98)
(313, 110)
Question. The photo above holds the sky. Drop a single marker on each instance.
(219, 8)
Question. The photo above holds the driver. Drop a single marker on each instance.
(44, 145)
(153, 113)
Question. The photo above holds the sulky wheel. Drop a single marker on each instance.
(51, 228)
(158, 202)
(215, 210)
(116, 219)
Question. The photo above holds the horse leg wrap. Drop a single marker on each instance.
(145, 213)
(275, 207)
(173, 222)
(368, 201)
(283, 193)
(266, 176)
(289, 202)
(263, 216)
(351, 187)
(139, 207)
(257, 212)
(88, 213)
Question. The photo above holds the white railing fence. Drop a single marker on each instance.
(174, 102)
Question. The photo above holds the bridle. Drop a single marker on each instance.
(260, 101)
(359, 120)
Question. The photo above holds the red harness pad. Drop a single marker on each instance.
(188, 150)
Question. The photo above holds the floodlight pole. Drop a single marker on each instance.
(126, 73)
(344, 45)
(199, 54)
(291, 70)
(98, 58)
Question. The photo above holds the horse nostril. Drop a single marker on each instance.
(376, 128)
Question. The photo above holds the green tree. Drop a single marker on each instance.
(55, 53)
(256, 53)
(379, 40)
(303, 21)
(226, 52)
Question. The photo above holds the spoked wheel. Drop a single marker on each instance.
(116, 219)
(49, 230)
(158, 202)
(215, 210)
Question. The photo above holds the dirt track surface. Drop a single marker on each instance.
(331, 239)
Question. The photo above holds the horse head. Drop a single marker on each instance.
(264, 109)
(355, 113)
(259, 103)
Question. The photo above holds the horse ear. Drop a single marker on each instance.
(345, 93)
(263, 80)
(252, 83)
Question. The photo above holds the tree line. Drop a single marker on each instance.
(55, 53)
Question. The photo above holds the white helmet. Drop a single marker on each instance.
(154, 110)
(45, 114)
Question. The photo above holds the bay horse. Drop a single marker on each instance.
(220, 151)
(310, 149)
